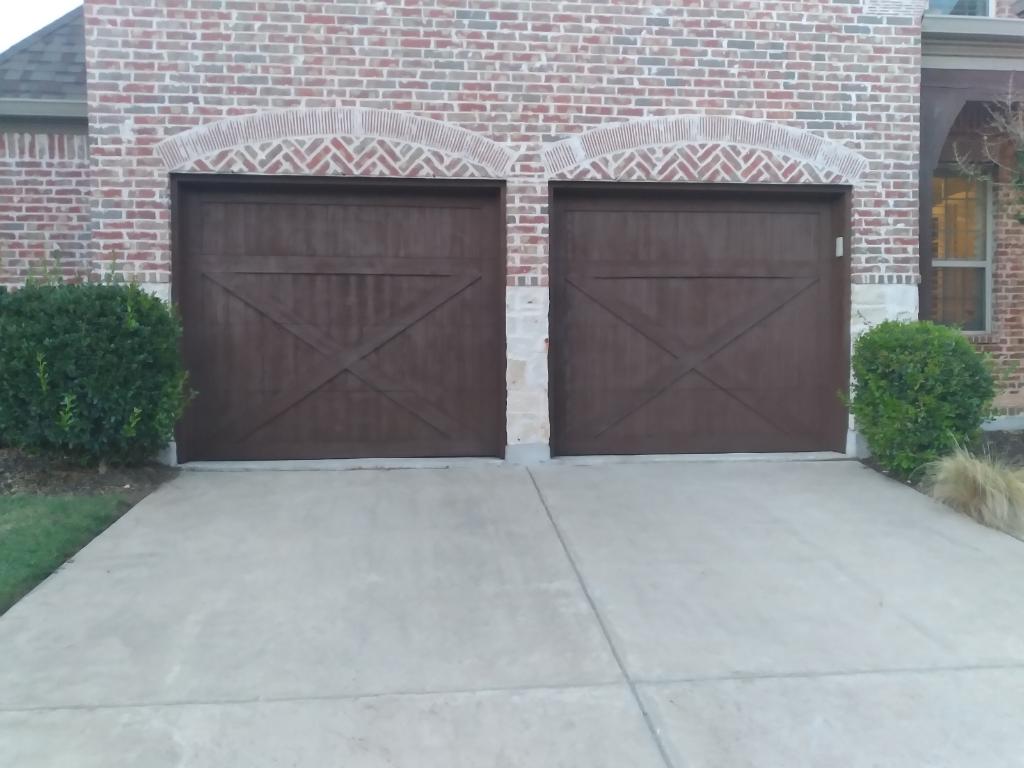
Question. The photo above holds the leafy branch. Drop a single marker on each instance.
(1002, 146)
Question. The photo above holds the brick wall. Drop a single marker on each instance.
(44, 205)
(1006, 342)
(520, 72)
(824, 90)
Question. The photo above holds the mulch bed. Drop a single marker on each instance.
(1007, 447)
(29, 474)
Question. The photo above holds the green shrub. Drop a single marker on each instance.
(920, 390)
(89, 372)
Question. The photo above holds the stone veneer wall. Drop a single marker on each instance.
(523, 90)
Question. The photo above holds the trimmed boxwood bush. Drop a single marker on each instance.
(920, 390)
(89, 372)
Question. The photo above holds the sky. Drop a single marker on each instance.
(20, 18)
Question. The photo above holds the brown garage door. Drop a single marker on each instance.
(340, 320)
(703, 321)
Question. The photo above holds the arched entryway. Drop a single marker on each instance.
(971, 238)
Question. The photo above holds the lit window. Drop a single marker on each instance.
(960, 7)
(961, 250)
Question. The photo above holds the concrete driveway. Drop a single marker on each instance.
(637, 615)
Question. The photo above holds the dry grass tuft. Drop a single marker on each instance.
(980, 487)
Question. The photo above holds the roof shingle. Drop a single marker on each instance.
(49, 64)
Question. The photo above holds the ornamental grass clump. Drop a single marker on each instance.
(980, 487)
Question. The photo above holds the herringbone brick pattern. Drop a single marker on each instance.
(701, 163)
(338, 156)
(710, 148)
(265, 133)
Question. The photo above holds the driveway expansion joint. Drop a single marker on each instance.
(754, 676)
(311, 698)
(645, 714)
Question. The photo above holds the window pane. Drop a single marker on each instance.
(959, 218)
(958, 297)
(959, 7)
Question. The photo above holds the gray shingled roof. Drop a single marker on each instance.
(49, 64)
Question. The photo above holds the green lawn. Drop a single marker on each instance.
(39, 533)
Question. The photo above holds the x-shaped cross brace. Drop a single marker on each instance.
(686, 358)
(338, 358)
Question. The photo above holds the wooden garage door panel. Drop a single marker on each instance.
(346, 406)
(307, 225)
(772, 353)
(768, 242)
(694, 323)
(337, 310)
(318, 325)
(618, 353)
(680, 312)
(264, 359)
(695, 410)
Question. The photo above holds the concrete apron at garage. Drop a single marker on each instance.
(332, 465)
(769, 614)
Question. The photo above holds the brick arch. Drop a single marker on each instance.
(712, 148)
(335, 141)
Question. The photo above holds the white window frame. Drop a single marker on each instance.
(987, 264)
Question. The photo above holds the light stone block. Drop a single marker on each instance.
(874, 304)
(527, 366)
